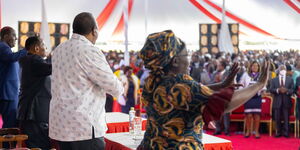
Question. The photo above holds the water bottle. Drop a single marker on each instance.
(131, 120)
(137, 130)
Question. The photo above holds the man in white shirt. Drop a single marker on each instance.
(81, 77)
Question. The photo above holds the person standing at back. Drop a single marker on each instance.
(81, 77)
(9, 77)
(282, 88)
(35, 94)
(220, 74)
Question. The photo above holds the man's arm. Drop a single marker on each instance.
(273, 89)
(40, 68)
(290, 89)
(297, 90)
(8, 56)
(99, 72)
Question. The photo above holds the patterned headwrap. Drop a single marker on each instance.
(159, 50)
(157, 55)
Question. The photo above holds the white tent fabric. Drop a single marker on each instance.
(45, 28)
(273, 16)
(224, 39)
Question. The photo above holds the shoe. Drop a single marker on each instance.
(217, 133)
(287, 136)
(278, 135)
(257, 136)
(247, 135)
(227, 133)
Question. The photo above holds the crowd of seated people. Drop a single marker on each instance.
(212, 68)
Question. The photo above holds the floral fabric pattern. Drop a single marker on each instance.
(174, 114)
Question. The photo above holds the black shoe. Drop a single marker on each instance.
(278, 135)
(246, 136)
(287, 136)
(227, 133)
(217, 133)
(257, 137)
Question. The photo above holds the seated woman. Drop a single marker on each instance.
(176, 105)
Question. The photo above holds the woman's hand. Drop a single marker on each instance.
(231, 76)
(264, 74)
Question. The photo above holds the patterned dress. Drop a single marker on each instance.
(177, 112)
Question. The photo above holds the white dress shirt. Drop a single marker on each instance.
(279, 79)
(283, 78)
(81, 77)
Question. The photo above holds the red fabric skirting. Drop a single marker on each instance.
(218, 146)
(122, 127)
(110, 145)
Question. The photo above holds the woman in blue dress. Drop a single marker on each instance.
(253, 106)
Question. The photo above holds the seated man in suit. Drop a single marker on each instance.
(35, 95)
(282, 87)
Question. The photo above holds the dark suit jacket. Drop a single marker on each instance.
(298, 97)
(35, 94)
(282, 100)
(9, 72)
(297, 84)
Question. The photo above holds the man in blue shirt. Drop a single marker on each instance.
(9, 77)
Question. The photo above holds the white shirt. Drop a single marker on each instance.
(281, 77)
(81, 77)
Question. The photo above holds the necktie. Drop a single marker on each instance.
(281, 82)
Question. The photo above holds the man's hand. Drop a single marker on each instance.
(282, 90)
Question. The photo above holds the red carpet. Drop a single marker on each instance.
(264, 143)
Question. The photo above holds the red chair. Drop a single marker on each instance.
(238, 115)
(292, 117)
(266, 112)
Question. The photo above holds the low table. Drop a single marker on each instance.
(124, 141)
(119, 122)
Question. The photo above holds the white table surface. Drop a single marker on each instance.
(115, 117)
(127, 140)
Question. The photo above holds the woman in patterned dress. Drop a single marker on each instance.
(176, 105)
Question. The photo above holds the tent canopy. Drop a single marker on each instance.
(272, 24)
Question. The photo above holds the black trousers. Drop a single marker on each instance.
(37, 134)
(226, 120)
(282, 114)
(92, 144)
(8, 110)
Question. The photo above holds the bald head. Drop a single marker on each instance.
(84, 23)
